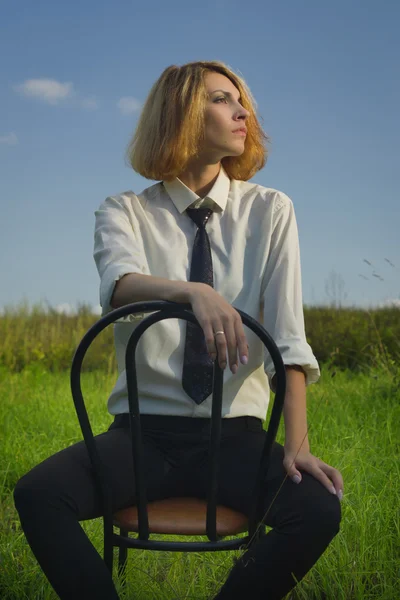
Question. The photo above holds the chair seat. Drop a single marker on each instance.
(182, 516)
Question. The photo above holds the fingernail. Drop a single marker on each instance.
(333, 491)
(244, 360)
(234, 369)
(340, 494)
(296, 479)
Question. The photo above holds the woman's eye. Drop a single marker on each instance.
(222, 98)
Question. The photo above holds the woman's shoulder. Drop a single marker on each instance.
(128, 199)
(273, 198)
(117, 200)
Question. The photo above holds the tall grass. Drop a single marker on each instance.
(42, 336)
(346, 338)
(354, 421)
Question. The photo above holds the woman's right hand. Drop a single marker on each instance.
(216, 314)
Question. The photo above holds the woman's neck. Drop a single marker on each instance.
(200, 178)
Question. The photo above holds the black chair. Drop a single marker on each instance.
(175, 516)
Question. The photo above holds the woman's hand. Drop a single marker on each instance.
(214, 314)
(330, 477)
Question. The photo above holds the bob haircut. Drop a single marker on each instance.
(170, 129)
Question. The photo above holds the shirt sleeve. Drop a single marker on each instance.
(281, 292)
(117, 248)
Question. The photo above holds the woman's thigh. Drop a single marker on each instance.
(69, 474)
(283, 500)
(240, 458)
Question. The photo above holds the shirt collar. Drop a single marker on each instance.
(183, 197)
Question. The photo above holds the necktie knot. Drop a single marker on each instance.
(199, 215)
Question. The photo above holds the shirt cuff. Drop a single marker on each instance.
(294, 352)
(107, 284)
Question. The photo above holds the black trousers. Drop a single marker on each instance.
(59, 492)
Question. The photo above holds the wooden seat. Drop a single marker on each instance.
(182, 516)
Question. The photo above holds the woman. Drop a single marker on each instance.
(187, 137)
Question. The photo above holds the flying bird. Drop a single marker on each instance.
(390, 263)
(367, 261)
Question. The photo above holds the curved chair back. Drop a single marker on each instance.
(160, 310)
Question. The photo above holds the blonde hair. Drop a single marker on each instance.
(170, 129)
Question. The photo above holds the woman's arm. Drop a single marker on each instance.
(295, 409)
(281, 293)
(120, 261)
(135, 287)
(297, 455)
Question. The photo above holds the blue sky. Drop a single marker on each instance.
(326, 79)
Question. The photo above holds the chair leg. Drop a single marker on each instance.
(122, 557)
(108, 546)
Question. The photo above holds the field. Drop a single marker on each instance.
(354, 425)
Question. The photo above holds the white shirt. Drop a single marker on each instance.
(256, 263)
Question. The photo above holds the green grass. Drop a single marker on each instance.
(354, 422)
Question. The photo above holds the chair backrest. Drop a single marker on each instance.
(160, 310)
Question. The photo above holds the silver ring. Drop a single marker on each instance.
(217, 332)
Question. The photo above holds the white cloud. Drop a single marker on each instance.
(10, 139)
(390, 302)
(128, 105)
(48, 90)
(90, 103)
(64, 309)
(67, 309)
(96, 309)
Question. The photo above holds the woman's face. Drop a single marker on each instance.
(223, 115)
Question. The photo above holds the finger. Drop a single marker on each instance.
(241, 341)
(334, 475)
(220, 342)
(230, 336)
(323, 478)
(210, 340)
(291, 470)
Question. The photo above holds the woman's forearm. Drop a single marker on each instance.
(136, 287)
(295, 410)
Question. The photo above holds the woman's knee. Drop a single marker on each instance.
(32, 496)
(310, 507)
(324, 514)
(24, 494)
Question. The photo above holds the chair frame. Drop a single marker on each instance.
(162, 309)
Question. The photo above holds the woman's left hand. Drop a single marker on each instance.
(330, 477)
